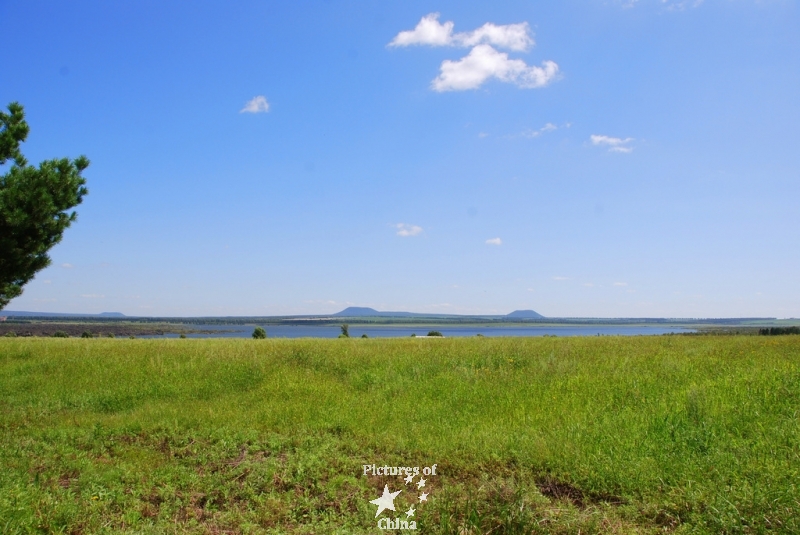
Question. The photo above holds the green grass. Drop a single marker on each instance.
(531, 435)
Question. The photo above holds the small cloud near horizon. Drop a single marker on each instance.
(614, 144)
(494, 241)
(405, 230)
(257, 104)
(67, 266)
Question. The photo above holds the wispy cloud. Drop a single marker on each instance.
(257, 104)
(669, 5)
(67, 266)
(680, 5)
(560, 278)
(494, 241)
(484, 61)
(614, 144)
(530, 133)
(405, 230)
(92, 296)
(620, 284)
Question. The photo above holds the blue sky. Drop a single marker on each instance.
(579, 158)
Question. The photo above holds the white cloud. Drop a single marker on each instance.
(494, 241)
(48, 281)
(614, 144)
(67, 266)
(257, 104)
(93, 296)
(405, 230)
(484, 62)
(511, 36)
(620, 284)
(548, 127)
(429, 31)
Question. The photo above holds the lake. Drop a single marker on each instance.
(392, 331)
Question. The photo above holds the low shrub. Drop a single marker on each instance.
(259, 333)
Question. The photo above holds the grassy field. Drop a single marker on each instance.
(530, 435)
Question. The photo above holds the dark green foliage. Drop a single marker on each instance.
(774, 331)
(14, 131)
(182, 336)
(11, 334)
(364, 335)
(34, 204)
(434, 333)
(259, 333)
(60, 334)
(345, 330)
(86, 334)
(110, 335)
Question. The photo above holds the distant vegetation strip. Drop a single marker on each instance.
(773, 331)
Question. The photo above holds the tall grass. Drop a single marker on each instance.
(608, 434)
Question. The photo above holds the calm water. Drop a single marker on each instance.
(332, 331)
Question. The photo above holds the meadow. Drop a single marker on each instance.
(660, 434)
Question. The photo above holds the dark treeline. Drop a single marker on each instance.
(774, 331)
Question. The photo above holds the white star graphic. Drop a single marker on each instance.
(386, 501)
(409, 478)
(420, 483)
(422, 498)
(410, 512)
